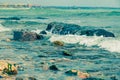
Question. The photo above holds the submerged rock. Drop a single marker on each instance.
(54, 68)
(64, 29)
(67, 53)
(58, 43)
(43, 32)
(78, 73)
(26, 36)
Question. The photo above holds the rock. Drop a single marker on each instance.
(43, 32)
(71, 72)
(40, 37)
(8, 40)
(19, 78)
(31, 78)
(97, 32)
(26, 36)
(113, 78)
(66, 53)
(7, 68)
(77, 73)
(54, 68)
(59, 43)
(62, 28)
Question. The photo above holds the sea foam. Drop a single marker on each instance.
(109, 44)
(2, 28)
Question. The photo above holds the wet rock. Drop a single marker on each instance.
(40, 37)
(7, 68)
(77, 73)
(26, 36)
(54, 68)
(62, 28)
(67, 53)
(19, 78)
(43, 32)
(31, 78)
(97, 32)
(71, 72)
(58, 43)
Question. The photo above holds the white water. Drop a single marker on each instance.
(109, 44)
(2, 28)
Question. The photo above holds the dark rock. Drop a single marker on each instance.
(97, 32)
(54, 68)
(39, 36)
(43, 32)
(41, 18)
(66, 53)
(19, 78)
(31, 78)
(71, 72)
(63, 28)
(26, 36)
(58, 43)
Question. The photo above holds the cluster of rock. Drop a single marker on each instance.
(61, 29)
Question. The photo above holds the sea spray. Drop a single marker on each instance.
(110, 44)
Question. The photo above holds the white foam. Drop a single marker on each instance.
(2, 28)
(107, 43)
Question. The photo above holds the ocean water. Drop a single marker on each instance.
(98, 56)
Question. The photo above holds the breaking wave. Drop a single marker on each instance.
(109, 44)
(2, 28)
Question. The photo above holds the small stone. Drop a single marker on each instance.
(54, 68)
(8, 40)
(82, 75)
(45, 66)
(59, 43)
(71, 72)
(66, 53)
(31, 78)
(19, 78)
(43, 32)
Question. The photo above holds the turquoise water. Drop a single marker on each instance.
(96, 55)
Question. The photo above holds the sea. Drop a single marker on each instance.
(97, 56)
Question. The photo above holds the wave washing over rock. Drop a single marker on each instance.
(107, 43)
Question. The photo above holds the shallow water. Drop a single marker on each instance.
(98, 56)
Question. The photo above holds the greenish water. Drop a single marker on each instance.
(98, 56)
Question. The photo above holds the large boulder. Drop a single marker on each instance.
(26, 36)
(97, 32)
(64, 28)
